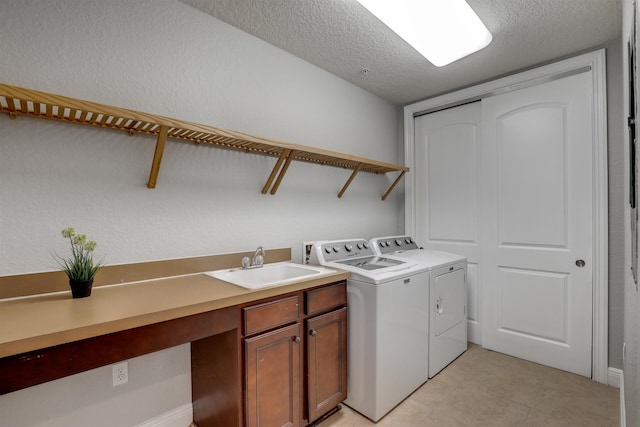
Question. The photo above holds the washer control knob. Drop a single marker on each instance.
(327, 249)
(336, 249)
(366, 245)
(348, 247)
(407, 241)
(381, 243)
(411, 240)
(398, 242)
(387, 244)
(359, 245)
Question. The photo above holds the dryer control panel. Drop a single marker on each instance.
(387, 245)
(335, 250)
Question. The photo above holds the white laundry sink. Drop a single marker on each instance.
(275, 274)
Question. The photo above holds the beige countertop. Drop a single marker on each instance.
(40, 321)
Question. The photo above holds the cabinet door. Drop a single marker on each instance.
(272, 393)
(327, 362)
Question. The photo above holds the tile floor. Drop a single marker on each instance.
(485, 388)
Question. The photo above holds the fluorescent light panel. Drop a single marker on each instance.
(443, 31)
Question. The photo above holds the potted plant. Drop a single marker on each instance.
(80, 267)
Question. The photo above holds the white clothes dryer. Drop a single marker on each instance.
(387, 324)
(447, 296)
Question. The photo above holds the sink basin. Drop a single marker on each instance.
(275, 274)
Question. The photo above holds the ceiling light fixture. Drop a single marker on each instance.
(443, 31)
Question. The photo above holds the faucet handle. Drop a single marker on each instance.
(246, 262)
(259, 260)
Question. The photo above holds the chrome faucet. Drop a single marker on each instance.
(256, 261)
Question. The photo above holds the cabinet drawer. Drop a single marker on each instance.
(322, 299)
(270, 314)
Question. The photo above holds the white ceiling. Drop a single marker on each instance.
(342, 37)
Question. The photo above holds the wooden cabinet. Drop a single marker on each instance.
(326, 362)
(293, 378)
(292, 353)
(268, 315)
(273, 378)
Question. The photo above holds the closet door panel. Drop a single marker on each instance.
(447, 144)
(537, 223)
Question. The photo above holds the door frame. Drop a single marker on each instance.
(595, 62)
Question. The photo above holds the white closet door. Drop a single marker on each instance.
(446, 148)
(537, 224)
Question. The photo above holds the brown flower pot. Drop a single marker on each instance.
(80, 289)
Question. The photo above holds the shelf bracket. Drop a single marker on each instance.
(384, 196)
(353, 175)
(157, 157)
(275, 170)
(283, 171)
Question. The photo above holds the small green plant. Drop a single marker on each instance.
(80, 266)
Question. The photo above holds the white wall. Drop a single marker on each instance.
(158, 383)
(167, 58)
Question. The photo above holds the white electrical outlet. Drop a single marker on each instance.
(120, 373)
(306, 251)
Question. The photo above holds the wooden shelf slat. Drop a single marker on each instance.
(51, 106)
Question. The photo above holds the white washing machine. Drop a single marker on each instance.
(447, 296)
(388, 345)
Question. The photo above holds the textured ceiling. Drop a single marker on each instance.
(342, 37)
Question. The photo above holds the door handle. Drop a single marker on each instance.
(580, 263)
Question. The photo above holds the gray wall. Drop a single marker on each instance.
(617, 201)
(164, 57)
(631, 367)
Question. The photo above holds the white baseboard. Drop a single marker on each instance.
(613, 377)
(474, 332)
(178, 417)
(623, 416)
